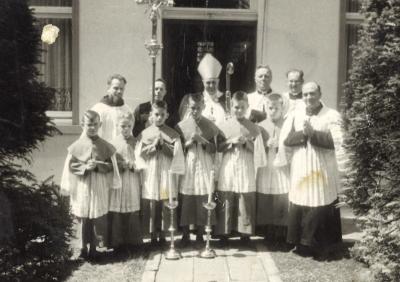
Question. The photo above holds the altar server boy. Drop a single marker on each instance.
(243, 154)
(199, 138)
(125, 203)
(90, 170)
(272, 183)
(160, 156)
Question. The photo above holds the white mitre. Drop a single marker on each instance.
(209, 67)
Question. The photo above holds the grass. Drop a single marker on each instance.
(127, 266)
(294, 268)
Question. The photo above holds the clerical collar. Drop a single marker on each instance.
(197, 120)
(314, 111)
(295, 96)
(93, 138)
(264, 92)
(108, 100)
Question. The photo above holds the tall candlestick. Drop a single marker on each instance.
(170, 183)
(211, 186)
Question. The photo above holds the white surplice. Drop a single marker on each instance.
(109, 119)
(315, 178)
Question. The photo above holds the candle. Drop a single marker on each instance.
(211, 187)
(170, 183)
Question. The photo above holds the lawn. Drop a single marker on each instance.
(293, 267)
(128, 266)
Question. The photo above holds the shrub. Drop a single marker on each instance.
(36, 223)
(43, 226)
(372, 107)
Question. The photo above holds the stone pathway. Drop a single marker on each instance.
(231, 264)
(235, 263)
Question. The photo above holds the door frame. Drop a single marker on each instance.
(255, 13)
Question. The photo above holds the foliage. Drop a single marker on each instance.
(23, 100)
(372, 106)
(42, 224)
(36, 223)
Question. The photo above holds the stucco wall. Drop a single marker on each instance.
(111, 40)
(303, 34)
(49, 159)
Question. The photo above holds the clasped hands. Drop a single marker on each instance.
(91, 164)
(127, 164)
(153, 146)
(195, 137)
(239, 140)
(272, 143)
(308, 130)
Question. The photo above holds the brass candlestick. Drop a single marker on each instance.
(172, 253)
(208, 252)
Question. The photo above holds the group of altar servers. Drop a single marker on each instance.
(271, 163)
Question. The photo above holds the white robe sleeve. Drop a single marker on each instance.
(284, 153)
(178, 160)
(140, 163)
(68, 179)
(260, 157)
(116, 181)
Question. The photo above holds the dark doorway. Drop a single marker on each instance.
(186, 41)
(227, 4)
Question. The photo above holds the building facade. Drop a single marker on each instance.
(102, 37)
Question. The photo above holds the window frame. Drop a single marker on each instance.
(347, 18)
(66, 121)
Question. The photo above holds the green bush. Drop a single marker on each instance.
(372, 115)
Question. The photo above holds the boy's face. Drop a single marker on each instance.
(126, 126)
(91, 126)
(195, 108)
(158, 116)
(239, 108)
(274, 109)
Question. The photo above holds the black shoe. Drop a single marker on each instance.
(199, 239)
(120, 250)
(321, 254)
(245, 239)
(285, 247)
(223, 241)
(94, 256)
(162, 242)
(83, 254)
(303, 251)
(185, 241)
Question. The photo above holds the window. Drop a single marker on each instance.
(57, 59)
(353, 21)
